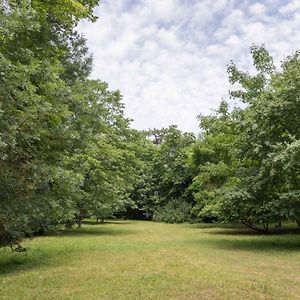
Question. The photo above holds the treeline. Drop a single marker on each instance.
(245, 166)
(67, 152)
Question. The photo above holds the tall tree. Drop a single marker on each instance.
(66, 147)
(263, 183)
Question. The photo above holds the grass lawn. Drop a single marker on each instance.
(146, 260)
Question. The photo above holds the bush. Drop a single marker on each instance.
(175, 211)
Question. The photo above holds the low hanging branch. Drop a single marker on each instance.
(253, 227)
(9, 239)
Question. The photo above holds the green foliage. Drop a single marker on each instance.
(66, 150)
(175, 211)
(247, 163)
(164, 175)
(213, 161)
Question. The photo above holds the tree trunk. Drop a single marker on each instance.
(69, 224)
(298, 221)
(100, 220)
(3, 235)
(9, 239)
(266, 226)
(253, 227)
(279, 225)
(79, 222)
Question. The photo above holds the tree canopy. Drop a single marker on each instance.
(66, 148)
(249, 158)
(67, 151)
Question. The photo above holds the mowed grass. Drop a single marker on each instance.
(146, 260)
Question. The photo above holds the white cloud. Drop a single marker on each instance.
(257, 9)
(290, 7)
(169, 57)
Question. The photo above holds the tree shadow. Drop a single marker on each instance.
(40, 256)
(117, 222)
(279, 239)
(286, 244)
(239, 237)
(250, 232)
(216, 226)
(106, 222)
(92, 231)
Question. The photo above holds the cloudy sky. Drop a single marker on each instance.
(169, 57)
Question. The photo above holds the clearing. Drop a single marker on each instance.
(147, 260)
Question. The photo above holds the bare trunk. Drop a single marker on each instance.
(79, 222)
(279, 225)
(266, 227)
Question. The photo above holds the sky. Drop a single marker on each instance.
(169, 57)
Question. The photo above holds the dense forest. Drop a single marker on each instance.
(67, 152)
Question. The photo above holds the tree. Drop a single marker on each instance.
(66, 148)
(212, 160)
(258, 182)
(164, 176)
(37, 42)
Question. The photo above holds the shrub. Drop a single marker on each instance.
(175, 211)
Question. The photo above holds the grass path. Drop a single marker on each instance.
(145, 260)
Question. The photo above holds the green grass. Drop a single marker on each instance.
(145, 260)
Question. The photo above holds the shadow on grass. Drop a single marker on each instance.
(245, 231)
(240, 237)
(55, 252)
(271, 243)
(240, 229)
(216, 225)
(92, 231)
(106, 222)
(237, 237)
